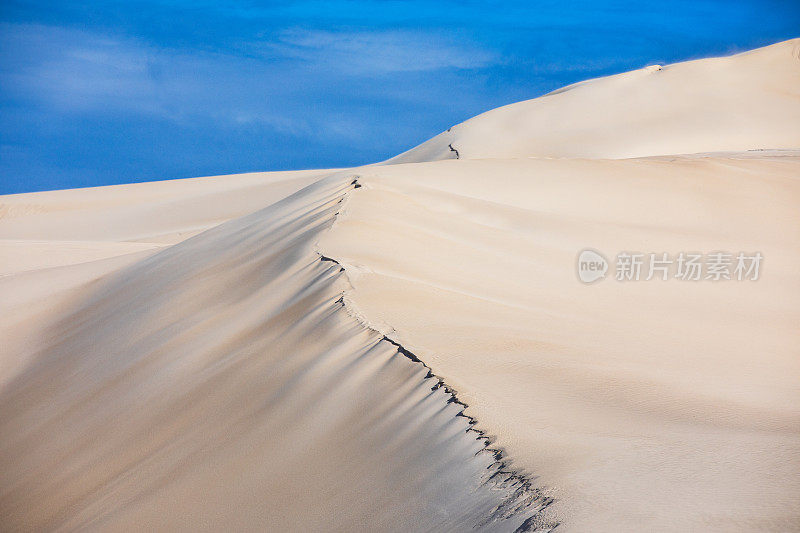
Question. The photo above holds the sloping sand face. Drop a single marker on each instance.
(747, 101)
(53, 243)
(221, 384)
(648, 406)
(162, 212)
(170, 362)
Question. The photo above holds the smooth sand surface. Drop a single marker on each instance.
(743, 102)
(240, 352)
(54, 243)
(156, 212)
(221, 384)
(654, 406)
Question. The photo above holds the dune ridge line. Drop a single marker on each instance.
(525, 494)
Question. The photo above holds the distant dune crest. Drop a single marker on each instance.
(282, 351)
(742, 102)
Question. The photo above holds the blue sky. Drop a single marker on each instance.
(105, 92)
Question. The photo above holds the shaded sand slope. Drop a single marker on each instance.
(221, 384)
(743, 102)
(178, 356)
(53, 243)
(646, 406)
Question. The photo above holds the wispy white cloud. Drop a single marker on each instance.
(273, 83)
(74, 71)
(375, 52)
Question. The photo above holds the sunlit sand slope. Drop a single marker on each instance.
(743, 102)
(264, 351)
(647, 406)
(162, 212)
(221, 384)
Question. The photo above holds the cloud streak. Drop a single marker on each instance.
(369, 53)
(74, 71)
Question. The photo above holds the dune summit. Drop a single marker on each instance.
(407, 346)
(742, 102)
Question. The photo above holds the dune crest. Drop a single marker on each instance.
(265, 351)
(743, 102)
(221, 384)
(647, 405)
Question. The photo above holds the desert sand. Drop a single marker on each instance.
(406, 346)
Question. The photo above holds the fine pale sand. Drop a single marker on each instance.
(220, 384)
(743, 102)
(649, 406)
(243, 352)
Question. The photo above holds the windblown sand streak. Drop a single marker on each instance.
(221, 384)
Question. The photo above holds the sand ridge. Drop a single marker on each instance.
(224, 371)
(268, 350)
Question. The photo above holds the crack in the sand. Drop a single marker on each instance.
(454, 150)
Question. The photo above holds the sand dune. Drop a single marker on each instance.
(158, 212)
(743, 102)
(631, 400)
(221, 384)
(264, 351)
(53, 243)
